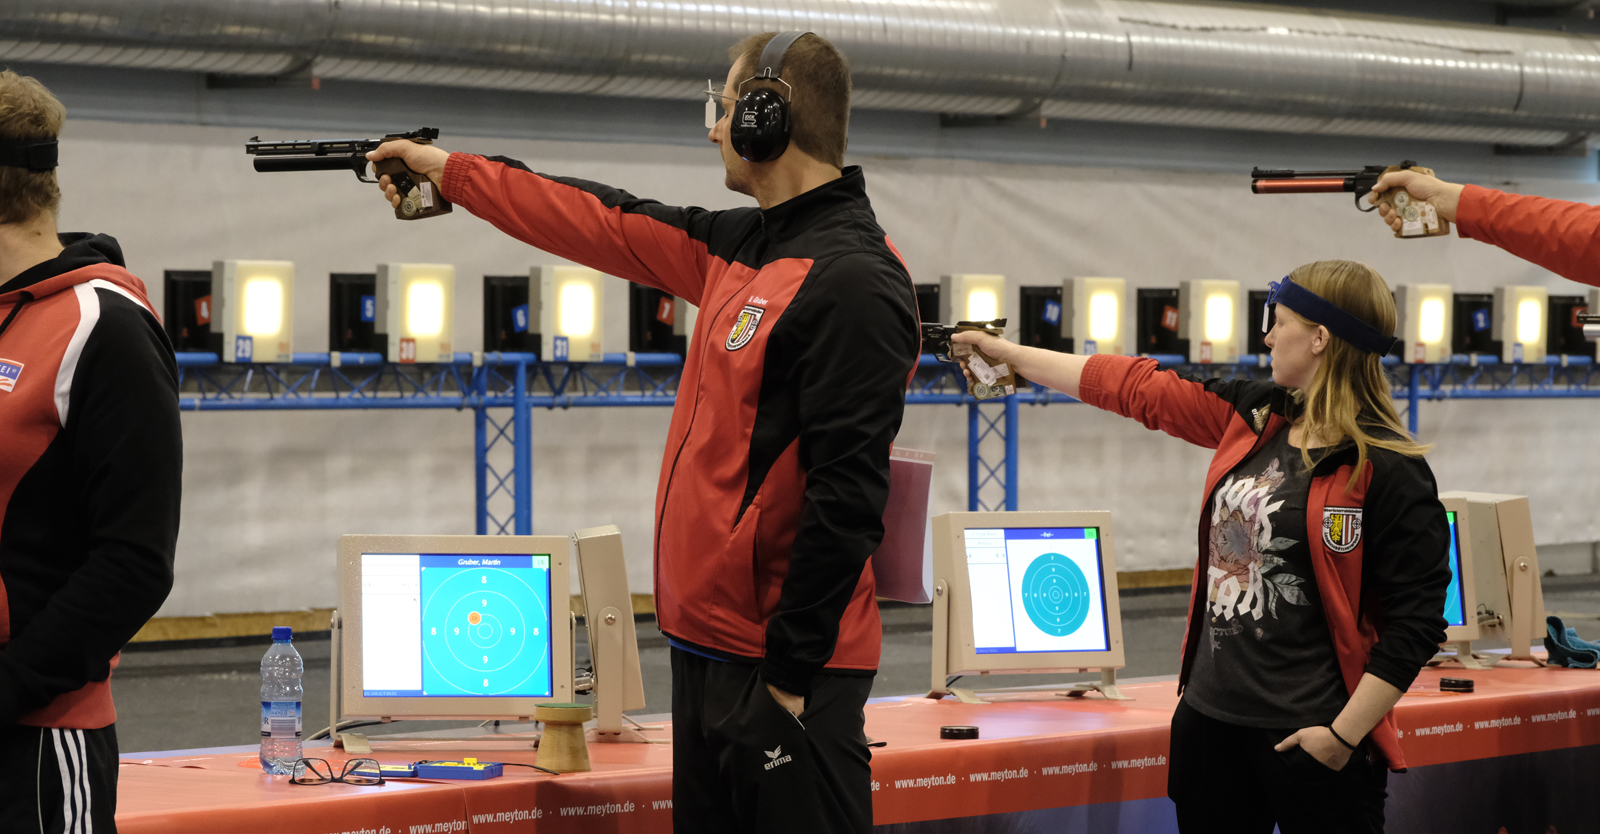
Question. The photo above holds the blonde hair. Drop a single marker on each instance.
(1350, 395)
(27, 111)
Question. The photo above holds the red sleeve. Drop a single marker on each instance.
(1162, 400)
(592, 224)
(1560, 236)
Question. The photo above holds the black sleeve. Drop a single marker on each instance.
(850, 379)
(1405, 567)
(126, 460)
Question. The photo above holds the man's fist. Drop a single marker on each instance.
(1444, 196)
(426, 160)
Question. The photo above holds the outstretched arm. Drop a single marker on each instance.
(1560, 236)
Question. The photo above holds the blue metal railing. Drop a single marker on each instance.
(489, 382)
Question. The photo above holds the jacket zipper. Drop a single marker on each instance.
(23, 298)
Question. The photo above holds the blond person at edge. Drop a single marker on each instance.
(1323, 392)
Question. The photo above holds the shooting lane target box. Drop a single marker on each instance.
(568, 302)
(1093, 315)
(1425, 319)
(1211, 317)
(1519, 323)
(254, 300)
(416, 307)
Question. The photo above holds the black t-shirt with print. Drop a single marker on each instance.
(1265, 657)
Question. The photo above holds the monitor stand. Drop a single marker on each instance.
(1465, 657)
(608, 725)
(360, 742)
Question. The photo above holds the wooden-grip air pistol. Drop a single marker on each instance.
(419, 196)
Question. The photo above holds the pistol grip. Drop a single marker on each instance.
(420, 197)
(1413, 212)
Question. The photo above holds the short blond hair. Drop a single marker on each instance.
(820, 77)
(28, 111)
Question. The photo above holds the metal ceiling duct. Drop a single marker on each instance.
(1109, 60)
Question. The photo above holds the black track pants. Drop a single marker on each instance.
(1227, 778)
(58, 781)
(742, 763)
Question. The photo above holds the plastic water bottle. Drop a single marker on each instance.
(281, 671)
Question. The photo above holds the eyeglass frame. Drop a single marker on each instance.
(350, 767)
(719, 96)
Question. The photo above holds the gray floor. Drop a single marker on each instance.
(187, 698)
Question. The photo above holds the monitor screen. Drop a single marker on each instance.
(455, 625)
(1036, 589)
(1454, 611)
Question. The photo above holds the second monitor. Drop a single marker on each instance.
(1025, 592)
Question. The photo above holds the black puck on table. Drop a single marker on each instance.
(1456, 685)
(958, 731)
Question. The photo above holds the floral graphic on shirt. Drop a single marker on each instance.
(1244, 571)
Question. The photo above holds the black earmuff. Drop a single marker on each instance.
(760, 126)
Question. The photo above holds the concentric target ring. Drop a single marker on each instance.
(1056, 594)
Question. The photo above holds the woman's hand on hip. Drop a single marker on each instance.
(1320, 743)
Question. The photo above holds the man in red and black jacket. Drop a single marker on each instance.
(91, 462)
(776, 470)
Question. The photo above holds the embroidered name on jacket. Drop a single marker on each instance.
(9, 371)
(745, 328)
(1341, 528)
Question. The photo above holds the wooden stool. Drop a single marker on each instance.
(561, 746)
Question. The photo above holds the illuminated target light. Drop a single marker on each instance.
(1519, 322)
(1093, 315)
(416, 311)
(1424, 317)
(569, 302)
(967, 297)
(1211, 313)
(254, 301)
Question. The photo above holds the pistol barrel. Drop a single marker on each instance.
(277, 164)
(1305, 185)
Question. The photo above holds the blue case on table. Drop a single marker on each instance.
(468, 769)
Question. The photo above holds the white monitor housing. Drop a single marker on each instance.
(1025, 592)
(617, 684)
(1498, 536)
(1461, 599)
(451, 627)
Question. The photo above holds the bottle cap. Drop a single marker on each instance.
(282, 634)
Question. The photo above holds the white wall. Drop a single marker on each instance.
(267, 494)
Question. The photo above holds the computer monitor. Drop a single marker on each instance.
(617, 684)
(1025, 592)
(451, 627)
(1460, 601)
(1497, 539)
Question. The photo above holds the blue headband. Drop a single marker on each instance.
(1321, 311)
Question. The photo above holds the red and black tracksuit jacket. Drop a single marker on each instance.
(91, 461)
(776, 470)
(1383, 588)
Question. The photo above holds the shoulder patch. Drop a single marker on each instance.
(745, 328)
(1341, 528)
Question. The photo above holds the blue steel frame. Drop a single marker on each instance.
(492, 382)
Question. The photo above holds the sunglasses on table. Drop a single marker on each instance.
(362, 772)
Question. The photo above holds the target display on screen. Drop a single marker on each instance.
(456, 625)
(1036, 590)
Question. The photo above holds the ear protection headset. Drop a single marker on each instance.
(760, 128)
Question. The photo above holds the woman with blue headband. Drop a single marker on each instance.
(1320, 587)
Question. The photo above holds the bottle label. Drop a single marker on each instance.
(280, 719)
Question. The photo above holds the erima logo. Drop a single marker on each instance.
(777, 758)
(756, 299)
